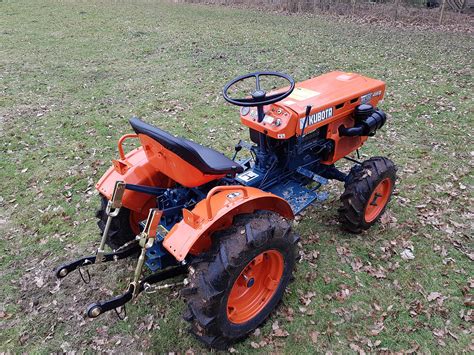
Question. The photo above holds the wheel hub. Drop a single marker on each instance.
(251, 282)
(374, 201)
(378, 199)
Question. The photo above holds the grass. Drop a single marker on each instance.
(72, 73)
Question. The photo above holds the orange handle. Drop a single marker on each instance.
(219, 189)
(120, 141)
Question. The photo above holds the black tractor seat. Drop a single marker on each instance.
(207, 160)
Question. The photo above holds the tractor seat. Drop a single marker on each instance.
(207, 160)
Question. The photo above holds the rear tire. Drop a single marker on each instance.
(121, 230)
(235, 286)
(367, 192)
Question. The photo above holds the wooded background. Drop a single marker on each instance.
(411, 11)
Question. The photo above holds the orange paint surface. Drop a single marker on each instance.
(140, 172)
(192, 234)
(336, 91)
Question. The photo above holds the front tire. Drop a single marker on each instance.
(368, 190)
(235, 286)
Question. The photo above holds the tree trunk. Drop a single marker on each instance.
(397, 4)
(441, 14)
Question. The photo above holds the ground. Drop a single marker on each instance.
(72, 73)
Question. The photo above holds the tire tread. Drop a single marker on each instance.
(361, 182)
(227, 252)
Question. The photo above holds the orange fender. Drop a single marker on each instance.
(216, 212)
(133, 168)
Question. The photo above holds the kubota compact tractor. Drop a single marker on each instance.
(183, 207)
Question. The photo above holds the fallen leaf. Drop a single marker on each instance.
(39, 281)
(407, 254)
(342, 294)
(357, 264)
(433, 295)
(453, 335)
(448, 261)
(254, 345)
(314, 337)
(377, 328)
(378, 273)
(280, 333)
(357, 348)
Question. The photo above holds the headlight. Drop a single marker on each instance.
(244, 111)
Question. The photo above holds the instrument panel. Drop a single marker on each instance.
(276, 122)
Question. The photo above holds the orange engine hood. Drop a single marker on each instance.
(332, 96)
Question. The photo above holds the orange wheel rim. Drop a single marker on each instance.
(255, 286)
(378, 199)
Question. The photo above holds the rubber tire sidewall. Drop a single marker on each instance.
(358, 190)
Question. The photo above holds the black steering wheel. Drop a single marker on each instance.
(259, 96)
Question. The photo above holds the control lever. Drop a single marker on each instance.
(237, 148)
(306, 119)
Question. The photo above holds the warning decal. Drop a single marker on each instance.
(301, 94)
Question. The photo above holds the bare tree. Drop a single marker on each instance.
(441, 14)
(397, 5)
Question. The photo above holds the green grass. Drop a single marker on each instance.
(72, 73)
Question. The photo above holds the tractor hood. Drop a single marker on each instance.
(331, 96)
(332, 90)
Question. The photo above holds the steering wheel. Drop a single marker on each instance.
(259, 96)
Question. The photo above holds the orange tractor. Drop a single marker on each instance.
(187, 209)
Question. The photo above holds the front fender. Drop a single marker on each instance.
(216, 212)
(134, 169)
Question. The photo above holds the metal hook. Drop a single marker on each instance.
(82, 276)
(147, 288)
(123, 314)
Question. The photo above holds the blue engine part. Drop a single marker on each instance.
(157, 257)
(171, 201)
(290, 169)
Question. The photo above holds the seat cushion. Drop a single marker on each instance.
(207, 160)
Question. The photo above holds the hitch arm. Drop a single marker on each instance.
(64, 270)
(146, 240)
(96, 309)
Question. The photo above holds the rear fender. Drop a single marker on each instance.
(216, 212)
(133, 168)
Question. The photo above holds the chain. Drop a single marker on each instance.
(147, 288)
(134, 241)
